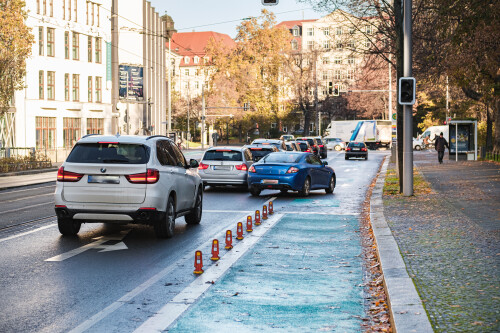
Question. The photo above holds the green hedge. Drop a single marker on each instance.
(22, 163)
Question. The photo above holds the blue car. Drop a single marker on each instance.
(291, 171)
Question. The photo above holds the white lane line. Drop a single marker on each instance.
(27, 233)
(183, 300)
(26, 198)
(226, 211)
(148, 283)
(25, 207)
(322, 213)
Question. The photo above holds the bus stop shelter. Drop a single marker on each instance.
(463, 140)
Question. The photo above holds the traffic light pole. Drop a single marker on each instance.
(407, 109)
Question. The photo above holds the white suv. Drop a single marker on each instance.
(127, 179)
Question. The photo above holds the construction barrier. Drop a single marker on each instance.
(215, 250)
(271, 208)
(239, 231)
(198, 263)
(257, 217)
(229, 240)
(264, 212)
(249, 224)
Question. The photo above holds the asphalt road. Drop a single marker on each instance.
(114, 277)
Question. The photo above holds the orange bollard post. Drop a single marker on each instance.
(229, 240)
(198, 263)
(257, 217)
(239, 231)
(249, 224)
(264, 212)
(215, 250)
(271, 208)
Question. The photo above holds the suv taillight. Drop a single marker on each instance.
(151, 176)
(66, 176)
(242, 167)
(203, 166)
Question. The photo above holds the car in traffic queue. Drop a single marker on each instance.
(314, 146)
(292, 146)
(258, 151)
(287, 137)
(356, 149)
(334, 143)
(127, 179)
(323, 152)
(280, 144)
(304, 146)
(291, 171)
(225, 166)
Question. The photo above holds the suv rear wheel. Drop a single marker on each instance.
(68, 227)
(194, 217)
(164, 228)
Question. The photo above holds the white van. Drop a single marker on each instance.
(433, 131)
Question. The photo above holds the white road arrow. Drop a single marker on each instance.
(98, 244)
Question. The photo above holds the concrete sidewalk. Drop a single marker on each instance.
(31, 177)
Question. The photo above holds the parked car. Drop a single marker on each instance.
(356, 149)
(322, 148)
(292, 146)
(225, 166)
(312, 142)
(127, 179)
(259, 151)
(294, 171)
(334, 143)
(287, 137)
(418, 144)
(280, 144)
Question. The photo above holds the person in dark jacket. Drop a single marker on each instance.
(440, 143)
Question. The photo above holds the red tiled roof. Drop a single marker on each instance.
(291, 24)
(194, 43)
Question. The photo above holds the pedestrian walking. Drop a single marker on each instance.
(440, 144)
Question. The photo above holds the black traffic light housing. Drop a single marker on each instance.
(406, 90)
(270, 2)
(336, 90)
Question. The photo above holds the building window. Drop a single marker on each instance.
(337, 60)
(326, 45)
(310, 31)
(76, 46)
(197, 85)
(69, 10)
(64, 9)
(325, 75)
(98, 89)
(76, 87)
(40, 41)
(89, 48)
(50, 42)
(38, 6)
(186, 72)
(92, 8)
(339, 46)
(71, 131)
(75, 4)
(351, 45)
(66, 44)
(95, 126)
(325, 60)
(51, 8)
(89, 89)
(98, 16)
(41, 86)
(295, 31)
(337, 74)
(98, 50)
(186, 60)
(205, 60)
(350, 59)
(44, 7)
(196, 60)
(326, 31)
(367, 43)
(45, 132)
(295, 45)
(310, 44)
(352, 31)
(368, 29)
(339, 30)
(51, 78)
(350, 74)
(66, 87)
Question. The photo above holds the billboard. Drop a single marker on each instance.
(131, 82)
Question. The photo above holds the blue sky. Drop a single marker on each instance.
(209, 15)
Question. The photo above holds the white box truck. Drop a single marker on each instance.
(374, 133)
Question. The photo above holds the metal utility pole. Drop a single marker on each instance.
(407, 109)
(115, 83)
(169, 93)
(447, 99)
(203, 116)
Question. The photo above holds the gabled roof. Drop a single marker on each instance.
(291, 24)
(195, 43)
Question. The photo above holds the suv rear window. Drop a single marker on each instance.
(223, 155)
(122, 153)
(303, 146)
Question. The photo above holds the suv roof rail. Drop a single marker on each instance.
(158, 136)
(86, 135)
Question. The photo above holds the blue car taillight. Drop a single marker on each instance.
(292, 170)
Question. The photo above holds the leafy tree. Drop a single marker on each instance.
(16, 40)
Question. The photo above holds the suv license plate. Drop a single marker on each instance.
(270, 181)
(101, 179)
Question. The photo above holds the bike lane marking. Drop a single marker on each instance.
(182, 301)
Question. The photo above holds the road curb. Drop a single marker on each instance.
(406, 309)
(27, 172)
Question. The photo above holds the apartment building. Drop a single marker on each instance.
(68, 86)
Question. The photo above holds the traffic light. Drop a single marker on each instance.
(246, 106)
(406, 91)
(336, 90)
(270, 2)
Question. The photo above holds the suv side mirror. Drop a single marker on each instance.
(193, 163)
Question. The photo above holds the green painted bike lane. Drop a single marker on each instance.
(305, 274)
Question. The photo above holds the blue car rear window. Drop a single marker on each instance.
(223, 155)
(282, 158)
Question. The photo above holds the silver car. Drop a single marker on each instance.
(334, 143)
(225, 166)
(127, 179)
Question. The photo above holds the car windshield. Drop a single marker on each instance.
(105, 152)
(356, 145)
(223, 155)
(282, 158)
